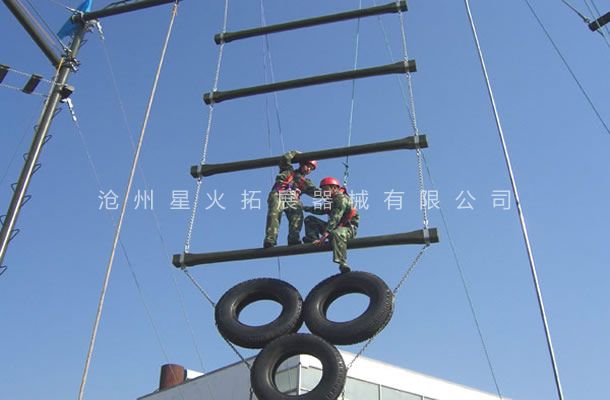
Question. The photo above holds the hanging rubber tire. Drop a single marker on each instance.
(368, 324)
(238, 297)
(334, 372)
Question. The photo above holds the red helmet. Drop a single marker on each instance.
(312, 163)
(329, 181)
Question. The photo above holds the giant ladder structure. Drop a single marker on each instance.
(422, 236)
(278, 339)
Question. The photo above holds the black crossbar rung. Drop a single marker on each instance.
(400, 67)
(3, 71)
(601, 21)
(393, 7)
(409, 143)
(416, 237)
(31, 84)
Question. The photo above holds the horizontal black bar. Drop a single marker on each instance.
(32, 29)
(601, 21)
(31, 84)
(134, 6)
(393, 7)
(400, 67)
(417, 237)
(409, 143)
(3, 71)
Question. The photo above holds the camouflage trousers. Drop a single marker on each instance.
(315, 227)
(294, 212)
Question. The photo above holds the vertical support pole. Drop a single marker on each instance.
(64, 68)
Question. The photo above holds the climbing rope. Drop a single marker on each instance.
(124, 205)
(351, 110)
(516, 196)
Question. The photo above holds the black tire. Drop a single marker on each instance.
(368, 324)
(334, 372)
(238, 297)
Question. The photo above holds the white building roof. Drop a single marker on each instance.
(233, 382)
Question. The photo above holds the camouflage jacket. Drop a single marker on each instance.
(292, 179)
(341, 213)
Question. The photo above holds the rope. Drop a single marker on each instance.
(413, 115)
(63, 47)
(585, 19)
(12, 159)
(517, 200)
(351, 110)
(213, 304)
(269, 76)
(269, 61)
(155, 216)
(124, 206)
(548, 35)
(465, 286)
(41, 29)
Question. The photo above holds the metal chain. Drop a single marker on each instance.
(395, 293)
(189, 234)
(198, 286)
(4, 85)
(413, 116)
(45, 80)
(351, 109)
(410, 269)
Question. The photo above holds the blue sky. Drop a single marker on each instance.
(559, 151)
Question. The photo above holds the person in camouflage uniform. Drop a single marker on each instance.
(342, 222)
(285, 197)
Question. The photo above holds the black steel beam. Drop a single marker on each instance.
(409, 143)
(138, 5)
(417, 237)
(3, 71)
(393, 7)
(601, 21)
(22, 16)
(400, 67)
(31, 84)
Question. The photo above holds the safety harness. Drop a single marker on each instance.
(290, 184)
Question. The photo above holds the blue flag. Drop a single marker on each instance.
(70, 27)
